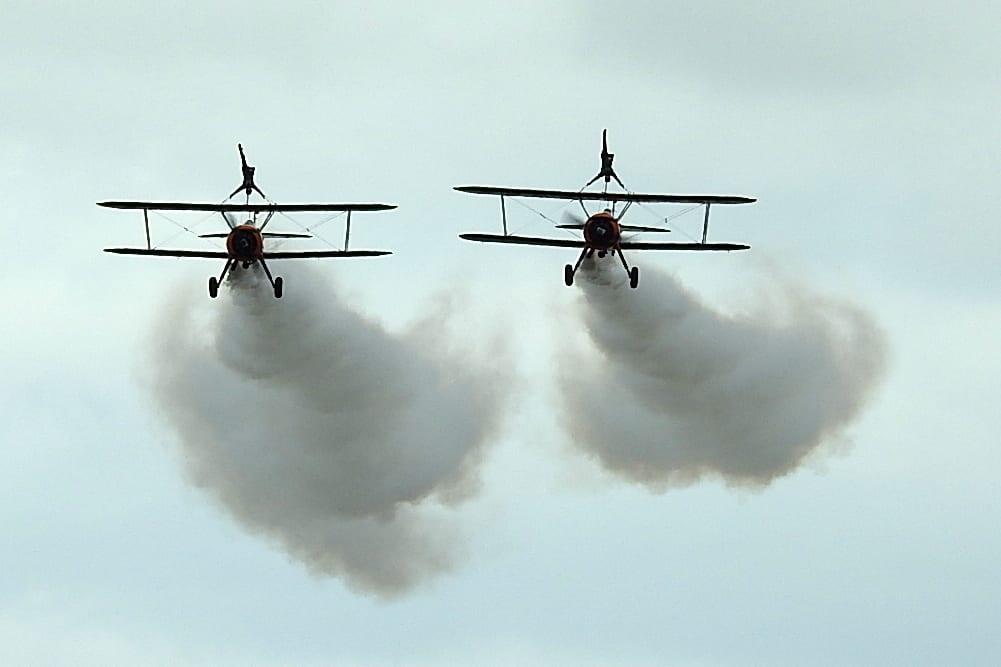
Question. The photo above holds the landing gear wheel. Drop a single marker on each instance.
(568, 275)
(213, 287)
(278, 287)
(634, 277)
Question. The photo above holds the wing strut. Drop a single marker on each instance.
(503, 215)
(271, 214)
(146, 218)
(705, 224)
(347, 231)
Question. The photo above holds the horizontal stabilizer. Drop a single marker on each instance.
(265, 207)
(605, 196)
(267, 235)
(625, 228)
(638, 228)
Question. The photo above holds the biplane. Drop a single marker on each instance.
(603, 230)
(245, 241)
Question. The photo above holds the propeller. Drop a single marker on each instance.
(571, 221)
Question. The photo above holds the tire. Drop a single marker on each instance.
(213, 287)
(279, 283)
(634, 277)
(568, 275)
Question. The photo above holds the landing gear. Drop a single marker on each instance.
(215, 282)
(633, 273)
(569, 271)
(276, 283)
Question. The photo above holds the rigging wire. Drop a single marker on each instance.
(183, 228)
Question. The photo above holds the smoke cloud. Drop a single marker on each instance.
(342, 443)
(678, 391)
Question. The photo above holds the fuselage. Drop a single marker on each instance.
(245, 243)
(602, 231)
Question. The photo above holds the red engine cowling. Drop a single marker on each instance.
(602, 231)
(245, 243)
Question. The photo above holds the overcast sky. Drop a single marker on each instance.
(870, 137)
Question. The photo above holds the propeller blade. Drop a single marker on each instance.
(571, 221)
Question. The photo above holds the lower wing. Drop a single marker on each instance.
(630, 245)
(523, 240)
(304, 254)
(166, 252)
(209, 254)
(579, 243)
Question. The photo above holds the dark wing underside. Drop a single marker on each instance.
(626, 245)
(523, 240)
(246, 208)
(166, 252)
(605, 196)
(629, 245)
(209, 254)
(304, 254)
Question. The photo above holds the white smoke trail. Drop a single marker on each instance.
(679, 391)
(317, 428)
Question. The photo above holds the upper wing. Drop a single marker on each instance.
(605, 196)
(629, 245)
(303, 254)
(165, 252)
(523, 240)
(265, 207)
